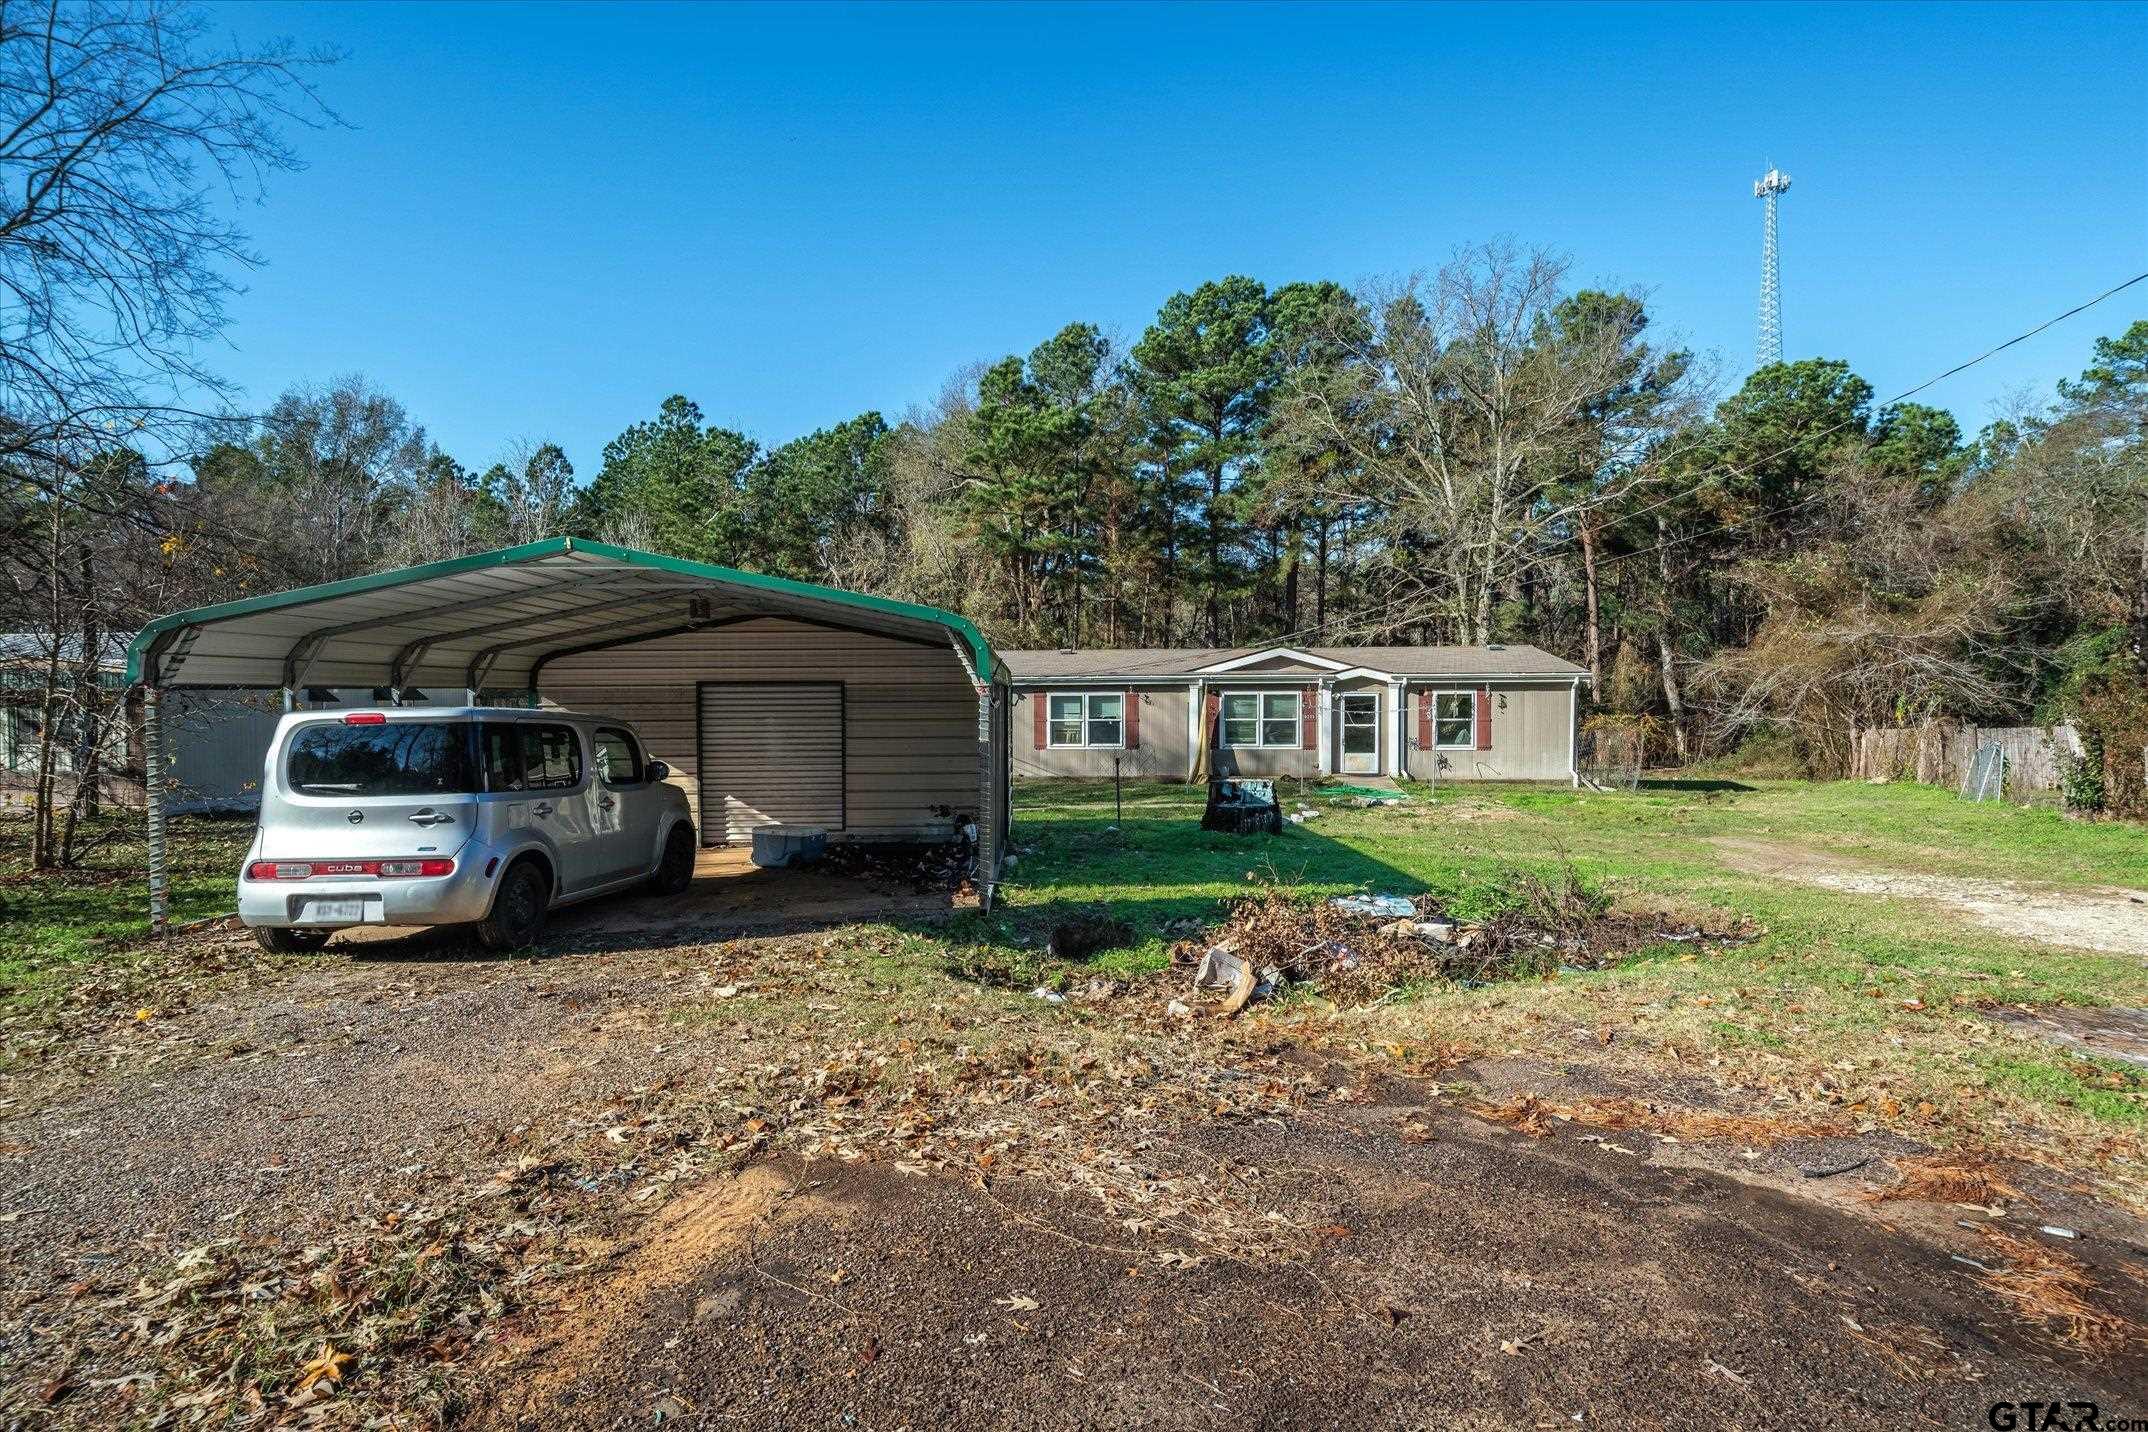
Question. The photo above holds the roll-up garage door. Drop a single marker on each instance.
(770, 755)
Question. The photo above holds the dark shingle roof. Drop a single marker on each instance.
(1508, 660)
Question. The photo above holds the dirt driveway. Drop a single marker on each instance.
(813, 1180)
(2096, 919)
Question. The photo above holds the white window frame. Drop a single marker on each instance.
(1261, 719)
(1471, 743)
(1088, 721)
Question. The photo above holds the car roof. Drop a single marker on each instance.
(450, 713)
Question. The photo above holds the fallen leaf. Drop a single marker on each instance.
(327, 1366)
(1017, 1303)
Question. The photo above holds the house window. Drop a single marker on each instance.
(1454, 719)
(1261, 718)
(1087, 718)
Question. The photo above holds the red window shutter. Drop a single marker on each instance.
(1310, 719)
(1424, 720)
(1133, 720)
(1484, 718)
(1040, 701)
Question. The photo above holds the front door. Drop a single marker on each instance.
(1361, 734)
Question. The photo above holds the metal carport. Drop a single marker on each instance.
(492, 620)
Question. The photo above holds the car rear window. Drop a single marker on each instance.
(392, 758)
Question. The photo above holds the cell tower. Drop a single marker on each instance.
(1768, 188)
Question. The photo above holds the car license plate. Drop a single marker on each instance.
(333, 912)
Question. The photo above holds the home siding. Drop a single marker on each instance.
(1163, 754)
(910, 728)
(1532, 738)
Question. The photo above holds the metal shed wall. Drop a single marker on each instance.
(910, 714)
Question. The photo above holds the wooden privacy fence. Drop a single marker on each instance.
(1945, 753)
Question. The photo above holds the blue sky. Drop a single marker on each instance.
(543, 220)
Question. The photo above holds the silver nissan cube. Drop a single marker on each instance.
(454, 815)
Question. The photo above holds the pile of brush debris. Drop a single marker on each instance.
(1360, 947)
(949, 866)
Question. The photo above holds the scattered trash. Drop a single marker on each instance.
(1242, 807)
(1049, 996)
(1364, 795)
(1382, 906)
(2057, 1232)
(1178, 1009)
(1220, 968)
(1981, 1267)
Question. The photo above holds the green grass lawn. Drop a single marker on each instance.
(51, 920)
(1870, 1003)
(1872, 1000)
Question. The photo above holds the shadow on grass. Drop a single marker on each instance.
(1157, 872)
(1695, 783)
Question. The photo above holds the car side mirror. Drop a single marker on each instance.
(656, 771)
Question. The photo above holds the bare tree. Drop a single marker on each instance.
(341, 459)
(122, 131)
(538, 490)
(1895, 612)
(1459, 417)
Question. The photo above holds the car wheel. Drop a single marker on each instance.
(518, 910)
(675, 871)
(279, 941)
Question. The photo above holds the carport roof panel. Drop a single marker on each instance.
(516, 606)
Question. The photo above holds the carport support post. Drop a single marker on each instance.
(989, 835)
(153, 763)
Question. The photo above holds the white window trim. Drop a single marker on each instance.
(1273, 653)
(1295, 693)
(1084, 744)
(1435, 693)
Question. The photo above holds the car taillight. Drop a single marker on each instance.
(365, 718)
(307, 870)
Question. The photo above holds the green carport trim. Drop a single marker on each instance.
(153, 634)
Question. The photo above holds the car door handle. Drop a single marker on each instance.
(542, 807)
(431, 817)
(605, 803)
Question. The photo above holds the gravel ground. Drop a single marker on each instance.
(1460, 1274)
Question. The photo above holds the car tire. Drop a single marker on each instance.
(278, 940)
(518, 909)
(675, 868)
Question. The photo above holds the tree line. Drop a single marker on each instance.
(1482, 452)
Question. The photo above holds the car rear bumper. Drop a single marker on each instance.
(463, 895)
